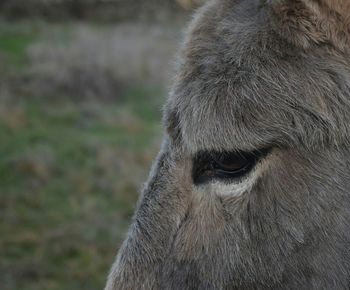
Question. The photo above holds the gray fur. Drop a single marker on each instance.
(251, 76)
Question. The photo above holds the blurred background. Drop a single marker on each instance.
(82, 83)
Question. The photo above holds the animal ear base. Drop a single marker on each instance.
(308, 21)
(341, 7)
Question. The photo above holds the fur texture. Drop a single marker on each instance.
(253, 74)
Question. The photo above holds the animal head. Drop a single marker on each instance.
(251, 187)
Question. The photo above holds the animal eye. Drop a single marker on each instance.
(232, 165)
(224, 165)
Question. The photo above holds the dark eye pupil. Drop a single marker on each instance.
(233, 165)
(231, 162)
(224, 165)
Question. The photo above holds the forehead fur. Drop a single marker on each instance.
(243, 85)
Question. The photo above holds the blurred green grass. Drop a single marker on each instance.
(70, 174)
(14, 45)
(14, 39)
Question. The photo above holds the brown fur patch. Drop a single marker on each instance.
(310, 22)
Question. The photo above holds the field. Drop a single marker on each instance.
(80, 123)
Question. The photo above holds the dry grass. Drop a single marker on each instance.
(190, 4)
(88, 62)
(97, 10)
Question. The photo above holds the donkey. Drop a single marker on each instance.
(251, 189)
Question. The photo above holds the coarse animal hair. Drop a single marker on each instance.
(252, 75)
